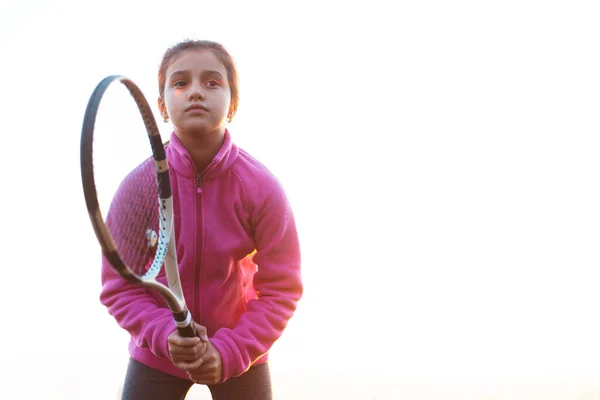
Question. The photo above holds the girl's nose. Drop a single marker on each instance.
(196, 92)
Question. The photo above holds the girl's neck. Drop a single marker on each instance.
(202, 147)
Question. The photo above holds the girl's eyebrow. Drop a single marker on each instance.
(178, 73)
(212, 72)
(207, 72)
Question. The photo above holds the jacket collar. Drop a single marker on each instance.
(181, 161)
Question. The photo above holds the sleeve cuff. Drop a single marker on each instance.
(227, 358)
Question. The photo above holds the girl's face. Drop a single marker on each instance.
(197, 95)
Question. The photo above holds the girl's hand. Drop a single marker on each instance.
(210, 370)
(185, 352)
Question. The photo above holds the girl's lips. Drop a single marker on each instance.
(196, 111)
(196, 107)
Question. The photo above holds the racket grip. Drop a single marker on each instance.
(187, 331)
(185, 325)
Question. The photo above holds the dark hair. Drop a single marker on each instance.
(223, 55)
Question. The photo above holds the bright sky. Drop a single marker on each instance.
(441, 157)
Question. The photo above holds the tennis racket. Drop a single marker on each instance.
(137, 237)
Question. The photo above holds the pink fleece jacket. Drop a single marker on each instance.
(239, 261)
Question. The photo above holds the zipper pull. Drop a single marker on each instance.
(199, 183)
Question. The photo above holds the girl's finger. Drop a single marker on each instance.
(205, 380)
(189, 366)
(189, 352)
(184, 341)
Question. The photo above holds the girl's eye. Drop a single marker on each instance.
(179, 84)
(212, 83)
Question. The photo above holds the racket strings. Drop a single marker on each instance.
(134, 219)
(124, 176)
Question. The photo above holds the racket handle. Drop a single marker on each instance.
(188, 331)
(185, 325)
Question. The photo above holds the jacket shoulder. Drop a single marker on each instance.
(254, 175)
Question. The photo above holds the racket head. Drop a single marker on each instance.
(134, 232)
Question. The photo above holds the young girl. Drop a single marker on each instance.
(237, 247)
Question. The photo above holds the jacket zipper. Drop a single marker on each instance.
(199, 183)
(198, 251)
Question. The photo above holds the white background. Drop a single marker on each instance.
(441, 157)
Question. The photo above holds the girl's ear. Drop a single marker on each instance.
(163, 109)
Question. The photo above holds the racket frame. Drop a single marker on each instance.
(166, 253)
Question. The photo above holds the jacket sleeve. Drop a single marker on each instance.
(277, 282)
(132, 305)
(136, 311)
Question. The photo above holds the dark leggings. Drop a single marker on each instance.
(145, 383)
